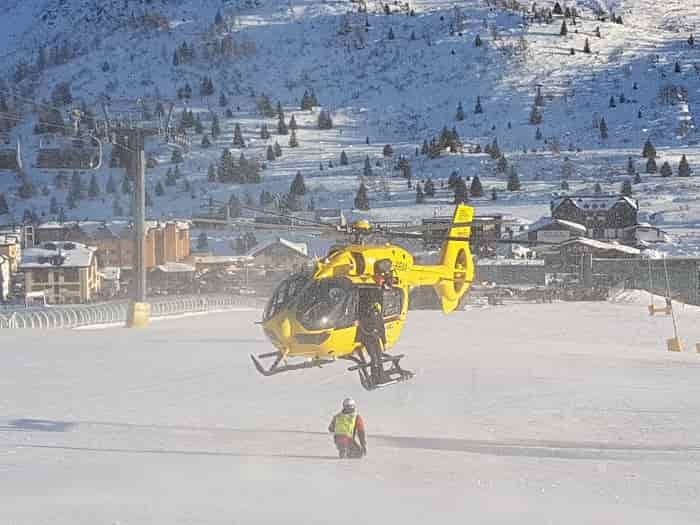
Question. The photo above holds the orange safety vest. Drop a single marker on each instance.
(345, 424)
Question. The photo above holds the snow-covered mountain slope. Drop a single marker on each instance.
(399, 90)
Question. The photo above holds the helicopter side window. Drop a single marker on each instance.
(285, 293)
(392, 301)
(328, 303)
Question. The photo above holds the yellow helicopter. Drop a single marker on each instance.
(316, 318)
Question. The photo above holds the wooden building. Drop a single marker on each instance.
(280, 253)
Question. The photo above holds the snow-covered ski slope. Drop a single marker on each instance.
(399, 91)
(573, 414)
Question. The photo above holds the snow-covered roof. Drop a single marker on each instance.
(600, 245)
(600, 201)
(175, 267)
(546, 221)
(221, 259)
(299, 247)
(111, 273)
(61, 254)
(9, 238)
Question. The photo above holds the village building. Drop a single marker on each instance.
(65, 272)
(165, 241)
(604, 216)
(5, 282)
(280, 254)
(551, 230)
(11, 248)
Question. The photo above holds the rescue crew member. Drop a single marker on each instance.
(348, 428)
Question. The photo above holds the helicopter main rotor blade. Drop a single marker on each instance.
(472, 240)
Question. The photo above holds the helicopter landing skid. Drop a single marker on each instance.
(277, 368)
(372, 376)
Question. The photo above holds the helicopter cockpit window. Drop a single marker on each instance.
(285, 293)
(328, 303)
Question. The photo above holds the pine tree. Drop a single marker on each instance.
(429, 188)
(390, 36)
(362, 199)
(637, 178)
(564, 30)
(461, 191)
(477, 108)
(626, 188)
(176, 156)
(293, 142)
(149, 199)
(343, 158)
(170, 178)
(292, 123)
(420, 195)
(270, 154)
(612, 102)
(557, 9)
(564, 185)
(211, 173)
(215, 128)
(649, 151)
(502, 164)
(494, 195)
(202, 242)
(94, 187)
(651, 165)
(238, 137)
(126, 186)
(117, 210)
(603, 129)
(160, 190)
(677, 68)
(278, 150)
(666, 170)
(264, 132)
(476, 189)
(111, 186)
(631, 168)
(586, 47)
(513, 180)
(198, 128)
(535, 115)
(597, 189)
(367, 170)
(206, 142)
(387, 151)
(76, 186)
(4, 208)
(460, 111)
(683, 167)
(298, 187)
(477, 41)
(538, 134)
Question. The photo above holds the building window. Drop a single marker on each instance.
(41, 276)
(71, 275)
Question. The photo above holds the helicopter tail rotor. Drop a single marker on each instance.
(456, 259)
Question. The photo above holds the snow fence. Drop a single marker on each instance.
(74, 316)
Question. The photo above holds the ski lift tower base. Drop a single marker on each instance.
(138, 315)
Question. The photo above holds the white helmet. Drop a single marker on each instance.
(349, 405)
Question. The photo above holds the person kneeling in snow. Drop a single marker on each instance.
(347, 426)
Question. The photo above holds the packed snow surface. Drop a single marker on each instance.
(530, 414)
